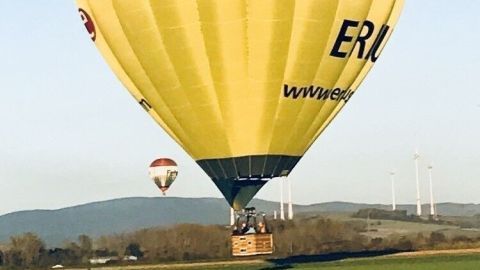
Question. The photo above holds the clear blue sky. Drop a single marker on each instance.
(70, 133)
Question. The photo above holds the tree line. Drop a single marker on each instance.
(28, 250)
(303, 236)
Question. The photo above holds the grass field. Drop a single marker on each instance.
(386, 228)
(452, 262)
(430, 262)
(456, 262)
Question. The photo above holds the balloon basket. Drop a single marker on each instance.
(252, 244)
(250, 235)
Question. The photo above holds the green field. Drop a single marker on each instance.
(425, 263)
(451, 262)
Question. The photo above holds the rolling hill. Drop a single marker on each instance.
(128, 214)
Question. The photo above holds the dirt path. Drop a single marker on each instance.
(198, 265)
(436, 252)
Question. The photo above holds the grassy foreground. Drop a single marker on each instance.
(436, 262)
(422, 262)
(457, 262)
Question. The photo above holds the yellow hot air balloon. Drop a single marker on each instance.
(244, 86)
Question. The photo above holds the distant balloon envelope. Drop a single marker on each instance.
(163, 172)
(244, 86)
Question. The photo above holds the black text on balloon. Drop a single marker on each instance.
(145, 105)
(366, 32)
(317, 92)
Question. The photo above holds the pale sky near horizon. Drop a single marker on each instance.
(71, 134)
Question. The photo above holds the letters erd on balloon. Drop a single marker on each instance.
(245, 87)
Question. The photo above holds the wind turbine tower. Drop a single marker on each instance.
(282, 212)
(290, 207)
(416, 156)
(432, 205)
(392, 178)
(232, 217)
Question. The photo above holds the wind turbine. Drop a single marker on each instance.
(392, 178)
(290, 207)
(282, 212)
(232, 217)
(416, 156)
(432, 205)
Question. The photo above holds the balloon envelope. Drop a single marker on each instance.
(244, 86)
(163, 172)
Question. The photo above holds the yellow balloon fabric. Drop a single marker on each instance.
(244, 86)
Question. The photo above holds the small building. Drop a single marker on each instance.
(130, 258)
(103, 260)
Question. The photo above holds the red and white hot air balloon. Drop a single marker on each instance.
(163, 172)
